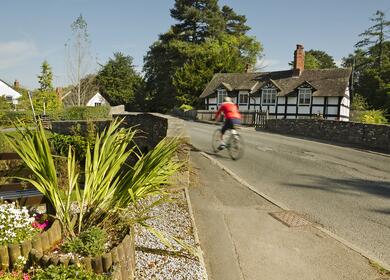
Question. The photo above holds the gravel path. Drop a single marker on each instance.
(156, 261)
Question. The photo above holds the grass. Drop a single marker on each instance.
(382, 271)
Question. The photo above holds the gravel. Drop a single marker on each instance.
(154, 260)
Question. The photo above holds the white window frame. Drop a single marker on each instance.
(268, 96)
(306, 96)
(221, 93)
(9, 98)
(241, 94)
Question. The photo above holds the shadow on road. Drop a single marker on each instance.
(344, 186)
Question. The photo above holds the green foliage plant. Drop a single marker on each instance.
(110, 184)
(46, 78)
(373, 117)
(71, 272)
(89, 243)
(186, 107)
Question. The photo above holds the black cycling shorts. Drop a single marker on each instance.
(229, 124)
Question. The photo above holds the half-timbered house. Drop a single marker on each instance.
(294, 93)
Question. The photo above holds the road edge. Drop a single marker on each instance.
(281, 205)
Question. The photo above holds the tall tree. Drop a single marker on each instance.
(78, 55)
(376, 35)
(371, 64)
(234, 24)
(46, 78)
(118, 80)
(198, 19)
(205, 41)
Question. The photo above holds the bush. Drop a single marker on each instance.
(7, 118)
(373, 117)
(186, 107)
(82, 113)
(71, 272)
(15, 224)
(89, 243)
(79, 143)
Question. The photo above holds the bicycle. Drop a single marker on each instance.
(234, 143)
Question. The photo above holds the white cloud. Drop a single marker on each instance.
(14, 52)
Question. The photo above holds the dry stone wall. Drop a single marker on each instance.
(371, 136)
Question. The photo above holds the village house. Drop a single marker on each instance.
(288, 94)
(11, 95)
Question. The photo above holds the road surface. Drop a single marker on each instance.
(346, 190)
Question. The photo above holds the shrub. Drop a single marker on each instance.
(7, 118)
(62, 142)
(70, 272)
(186, 107)
(82, 113)
(89, 243)
(373, 117)
(15, 224)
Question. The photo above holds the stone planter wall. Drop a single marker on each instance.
(372, 136)
(120, 261)
(42, 242)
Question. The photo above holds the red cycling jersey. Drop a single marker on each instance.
(230, 110)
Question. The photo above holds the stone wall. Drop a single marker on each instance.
(371, 136)
(152, 128)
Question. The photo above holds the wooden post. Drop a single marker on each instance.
(45, 241)
(35, 256)
(107, 262)
(37, 243)
(4, 258)
(51, 233)
(115, 256)
(14, 253)
(97, 265)
(45, 260)
(87, 263)
(26, 248)
(64, 260)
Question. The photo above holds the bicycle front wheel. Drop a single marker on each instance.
(236, 147)
(216, 141)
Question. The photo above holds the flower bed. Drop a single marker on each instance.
(20, 233)
(119, 261)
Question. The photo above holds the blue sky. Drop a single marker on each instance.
(32, 31)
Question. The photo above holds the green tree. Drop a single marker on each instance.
(46, 101)
(198, 19)
(118, 80)
(46, 77)
(206, 40)
(371, 64)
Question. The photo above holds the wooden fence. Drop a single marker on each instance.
(257, 119)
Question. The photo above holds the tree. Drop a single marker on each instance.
(78, 55)
(316, 59)
(46, 77)
(375, 36)
(118, 80)
(198, 19)
(234, 24)
(371, 64)
(206, 40)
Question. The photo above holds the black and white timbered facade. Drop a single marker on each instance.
(289, 94)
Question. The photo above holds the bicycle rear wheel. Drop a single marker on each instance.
(236, 146)
(216, 141)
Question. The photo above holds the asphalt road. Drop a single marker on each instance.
(346, 190)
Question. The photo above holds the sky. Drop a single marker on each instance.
(34, 31)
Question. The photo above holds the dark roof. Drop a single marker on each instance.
(326, 82)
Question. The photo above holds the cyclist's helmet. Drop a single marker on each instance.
(227, 99)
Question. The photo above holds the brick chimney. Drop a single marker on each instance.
(248, 68)
(16, 84)
(299, 59)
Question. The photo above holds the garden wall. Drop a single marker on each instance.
(152, 128)
(376, 137)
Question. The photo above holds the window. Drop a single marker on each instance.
(268, 96)
(97, 104)
(243, 98)
(9, 98)
(304, 97)
(221, 95)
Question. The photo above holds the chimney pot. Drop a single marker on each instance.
(16, 84)
(299, 59)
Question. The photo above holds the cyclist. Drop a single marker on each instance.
(232, 117)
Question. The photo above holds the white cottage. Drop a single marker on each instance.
(97, 100)
(9, 93)
(289, 94)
